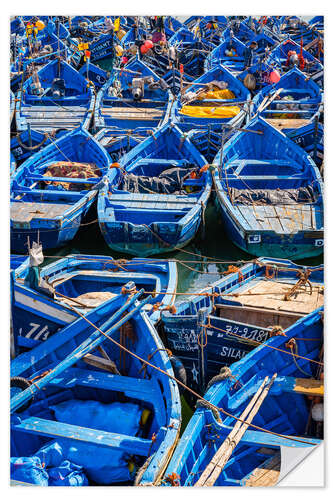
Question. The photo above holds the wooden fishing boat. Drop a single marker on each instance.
(261, 72)
(27, 143)
(29, 56)
(295, 101)
(56, 97)
(214, 99)
(307, 62)
(84, 282)
(118, 142)
(133, 97)
(94, 74)
(53, 190)
(230, 53)
(190, 51)
(12, 164)
(310, 137)
(105, 415)
(17, 25)
(269, 193)
(212, 27)
(240, 30)
(11, 107)
(159, 202)
(241, 310)
(284, 408)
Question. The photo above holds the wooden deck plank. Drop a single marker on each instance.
(24, 212)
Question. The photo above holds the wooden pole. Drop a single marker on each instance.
(221, 457)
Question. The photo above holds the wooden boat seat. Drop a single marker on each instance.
(125, 113)
(268, 473)
(72, 195)
(161, 161)
(256, 438)
(71, 180)
(25, 212)
(136, 388)
(59, 430)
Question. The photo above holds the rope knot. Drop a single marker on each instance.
(173, 479)
(276, 330)
(235, 269)
(291, 344)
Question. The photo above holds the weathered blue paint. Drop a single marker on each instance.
(147, 224)
(283, 411)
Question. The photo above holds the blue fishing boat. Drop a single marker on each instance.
(310, 137)
(239, 310)
(240, 30)
(188, 49)
(133, 97)
(317, 22)
(27, 143)
(13, 164)
(207, 140)
(17, 26)
(289, 53)
(293, 102)
(41, 307)
(159, 202)
(212, 27)
(171, 25)
(214, 99)
(53, 190)
(269, 194)
(102, 413)
(118, 142)
(230, 53)
(55, 97)
(261, 72)
(282, 418)
(33, 55)
(94, 74)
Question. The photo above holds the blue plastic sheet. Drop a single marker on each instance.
(35, 470)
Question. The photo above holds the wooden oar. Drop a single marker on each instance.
(268, 100)
(221, 457)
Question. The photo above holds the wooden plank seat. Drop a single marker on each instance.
(162, 161)
(72, 180)
(48, 192)
(159, 199)
(25, 212)
(59, 430)
(136, 388)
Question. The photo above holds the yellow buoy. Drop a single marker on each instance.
(40, 25)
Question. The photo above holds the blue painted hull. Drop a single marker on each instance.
(294, 247)
(32, 200)
(235, 329)
(272, 227)
(101, 447)
(36, 316)
(151, 223)
(277, 413)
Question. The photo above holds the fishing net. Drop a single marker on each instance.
(74, 170)
(273, 196)
(168, 182)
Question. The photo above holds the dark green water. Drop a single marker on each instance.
(215, 244)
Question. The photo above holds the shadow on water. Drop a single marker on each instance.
(199, 263)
